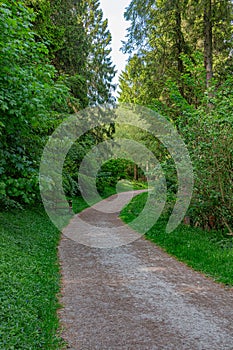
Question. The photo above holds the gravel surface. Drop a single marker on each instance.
(136, 297)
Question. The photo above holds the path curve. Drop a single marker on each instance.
(136, 297)
(100, 226)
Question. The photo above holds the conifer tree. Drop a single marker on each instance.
(167, 36)
(100, 70)
(79, 43)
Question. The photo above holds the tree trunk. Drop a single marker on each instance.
(179, 43)
(208, 41)
(135, 172)
(179, 38)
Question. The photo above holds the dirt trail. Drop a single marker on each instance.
(136, 297)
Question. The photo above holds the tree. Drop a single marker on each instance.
(208, 41)
(28, 101)
(134, 82)
(79, 42)
(99, 67)
(179, 67)
(55, 60)
(164, 43)
(193, 26)
(59, 24)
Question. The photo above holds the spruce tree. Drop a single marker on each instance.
(99, 66)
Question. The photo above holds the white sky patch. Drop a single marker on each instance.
(114, 11)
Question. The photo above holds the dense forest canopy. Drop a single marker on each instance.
(181, 65)
(55, 59)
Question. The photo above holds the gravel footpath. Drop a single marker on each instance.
(136, 297)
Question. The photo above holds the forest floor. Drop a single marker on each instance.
(135, 296)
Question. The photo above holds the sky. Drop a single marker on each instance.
(114, 11)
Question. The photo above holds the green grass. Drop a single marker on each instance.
(29, 281)
(207, 252)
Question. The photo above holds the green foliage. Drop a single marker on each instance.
(209, 138)
(54, 59)
(113, 171)
(28, 99)
(79, 44)
(136, 82)
(170, 71)
(163, 47)
(207, 132)
(99, 67)
(57, 24)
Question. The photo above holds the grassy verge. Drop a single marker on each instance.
(29, 281)
(207, 252)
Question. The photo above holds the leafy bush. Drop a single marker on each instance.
(28, 97)
(113, 171)
(207, 131)
(211, 147)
